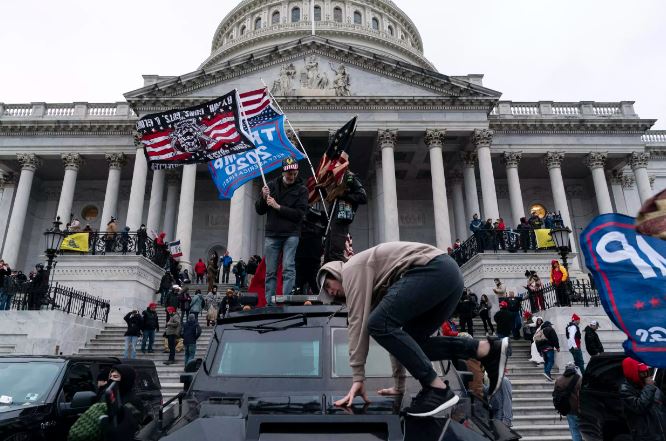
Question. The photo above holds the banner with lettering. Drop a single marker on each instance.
(174, 249)
(272, 146)
(630, 273)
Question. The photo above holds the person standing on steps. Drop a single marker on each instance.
(547, 343)
(150, 325)
(504, 320)
(566, 398)
(133, 320)
(226, 266)
(211, 271)
(173, 331)
(573, 342)
(200, 271)
(592, 340)
(165, 285)
(466, 314)
(197, 304)
(400, 293)
(191, 333)
(642, 402)
(559, 276)
(484, 312)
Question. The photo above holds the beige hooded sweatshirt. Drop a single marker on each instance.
(365, 279)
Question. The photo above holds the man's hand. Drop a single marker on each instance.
(389, 391)
(272, 203)
(648, 380)
(357, 389)
(265, 192)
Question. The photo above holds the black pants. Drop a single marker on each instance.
(467, 325)
(225, 274)
(412, 310)
(171, 339)
(306, 274)
(487, 323)
(335, 242)
(200, 278)
(562, 294)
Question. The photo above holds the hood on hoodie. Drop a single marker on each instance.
(127, 377)
(632, 368)
(191, 318)
(334, 269)
(546, 324)
(554, 261)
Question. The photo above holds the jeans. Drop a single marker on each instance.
(517, 325)
(412, 310)
(573, 427)
(548, 361)
(190, 352)
(487, 323)
(5, 300)
(130, 346)
(148, 336)
(272, 248)
(172, 347)
(200, 278)
(163, 295)
(578, 359)
(225, 274)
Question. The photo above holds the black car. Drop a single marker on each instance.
(274, 373)
(601, 414)
(42, 396)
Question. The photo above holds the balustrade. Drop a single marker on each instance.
(655, 136)
(68, 110)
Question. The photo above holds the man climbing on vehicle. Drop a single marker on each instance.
(400, 293)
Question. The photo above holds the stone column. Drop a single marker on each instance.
(379, 202)
(238, 240)
(434, 139)
(29, 163)
(173, 179)
(553, 161)
(186, 214)
(387, 140)
(8, 183)
(155, 204)
(138, 191)
(471, 192)
(631, 197)
(639, 162)
(616, 180)
(482, 140)
(72, 162)
(596, 161)
(459, 206)
(511, 161)
(110, 209)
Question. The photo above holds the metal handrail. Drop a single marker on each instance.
(124, 243)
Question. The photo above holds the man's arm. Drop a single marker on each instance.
(355, 193)
(297, 212)
(260, 206)
(358, 284)
(640, 403)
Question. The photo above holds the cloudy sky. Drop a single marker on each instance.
(565, 50)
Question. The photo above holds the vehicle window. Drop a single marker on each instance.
(285, 353)
(26, 382)
(79, 379)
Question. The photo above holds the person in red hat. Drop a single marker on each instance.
(642, 402)
(558, 278)
(573, 342)
(504, 319)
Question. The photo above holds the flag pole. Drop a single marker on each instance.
(242, 109)
(293, 130)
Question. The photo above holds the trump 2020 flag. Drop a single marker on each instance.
(196, 134)
(272, 146)
(630, 274)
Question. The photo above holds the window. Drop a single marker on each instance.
(317, 13)
(27, 382)
(242, 30)
(337, 14)
(288, 353)
(89, 212)
(296, 15)
(230, 36)
(257, 23)
(358, 18)
(79, 379)
(375, 24)
(390, 30)
(275, 18)
(378, 363)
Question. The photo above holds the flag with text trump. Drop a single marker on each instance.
(196, 134)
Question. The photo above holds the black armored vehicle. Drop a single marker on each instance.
(273, 374)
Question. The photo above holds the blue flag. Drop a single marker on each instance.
(629, 270)
(272, 146)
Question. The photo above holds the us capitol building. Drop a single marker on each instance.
(431, 149)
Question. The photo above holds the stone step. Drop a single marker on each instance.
(539, 419)
(541, 430)
(533, 401)
(539, 384)
(532, 410)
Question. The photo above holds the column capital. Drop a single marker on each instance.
(434, 137)
(72, 161)
(172, 177)
(595, 160)
(639, 160)
(468, 159)
(386, 138)
(482, 137)
(553, 159)
(28, 161)
(116, 160)
(616, 177)
(293, 136)
(652, 178)
(511, 159)
(628, 182)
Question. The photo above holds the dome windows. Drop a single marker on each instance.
(257, 23)
(275, 18)
(317, 13)
(390, 30)
(296, 15)
(242, 30)
(358, 18)
(337, 14)
(375, 24)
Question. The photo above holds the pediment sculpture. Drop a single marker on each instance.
(313, 80)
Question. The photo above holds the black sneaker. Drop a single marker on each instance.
(495, 363)
(431, 401)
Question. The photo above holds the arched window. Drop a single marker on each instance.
(257, 23)
(296, 15)
(375, 24)
(358, 18)
(317, 13)
(337, 14)
(275, 18)
(230, 36)
(390, 30)
(242, 30)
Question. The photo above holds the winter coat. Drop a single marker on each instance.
(200, 268)
(563, 383)
(466, 308)
(515, 303)
(191, 331)
(184, 300)
(173, 326)
(475, 225)
(171, 299)
(227, 261)
(134, 324)
(197, 303)
(592, 342)
(485, 308)
(573, 336)
(151, 321)
(551, 342)
(251, 267)
(505, 321)
(563, 270)
(643, 404)
(293, 201)
(166, 282)
(232, 303)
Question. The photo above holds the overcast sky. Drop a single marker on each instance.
(530, 50)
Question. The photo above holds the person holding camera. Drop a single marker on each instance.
(643, 402)
(134, 325)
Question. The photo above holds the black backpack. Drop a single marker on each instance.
(561, 397)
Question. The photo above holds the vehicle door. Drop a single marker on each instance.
(78, 378)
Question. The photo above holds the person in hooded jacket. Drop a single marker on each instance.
(573, 342)
(559, 277)
(200, 271)
(504, 320)
(592, 341)
(643, 402)
(197, 304)
(165, 285)
(39, 288)
(547, 348)
(191, 333)
(535, 356)
(571, 373)
(150, 324)
(134, 325)
(466, 313)
(173, 331)
(484, 312)
(171, 298)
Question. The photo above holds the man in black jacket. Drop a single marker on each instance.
(284, 201)
(346, 199)
(642, 402)
(39, 288)
(504, 320)
(150, 324)
(466, 313)
(547, 344)
(134, 324)
(592, 341)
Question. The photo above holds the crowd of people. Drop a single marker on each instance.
(33, 288)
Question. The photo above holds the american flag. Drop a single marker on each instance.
(195, 134)
(257, 107)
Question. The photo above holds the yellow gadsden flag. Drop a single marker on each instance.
(543, 238)
(75, 242)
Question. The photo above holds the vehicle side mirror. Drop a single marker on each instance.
(79, 404)
(186, 379)
(193, 366)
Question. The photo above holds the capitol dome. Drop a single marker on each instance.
(376, 25)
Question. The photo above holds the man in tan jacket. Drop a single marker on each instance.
(400, 293)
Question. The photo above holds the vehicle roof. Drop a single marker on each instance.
(278, 312)
(65, 358)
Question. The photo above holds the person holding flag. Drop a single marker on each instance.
(284, 201)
